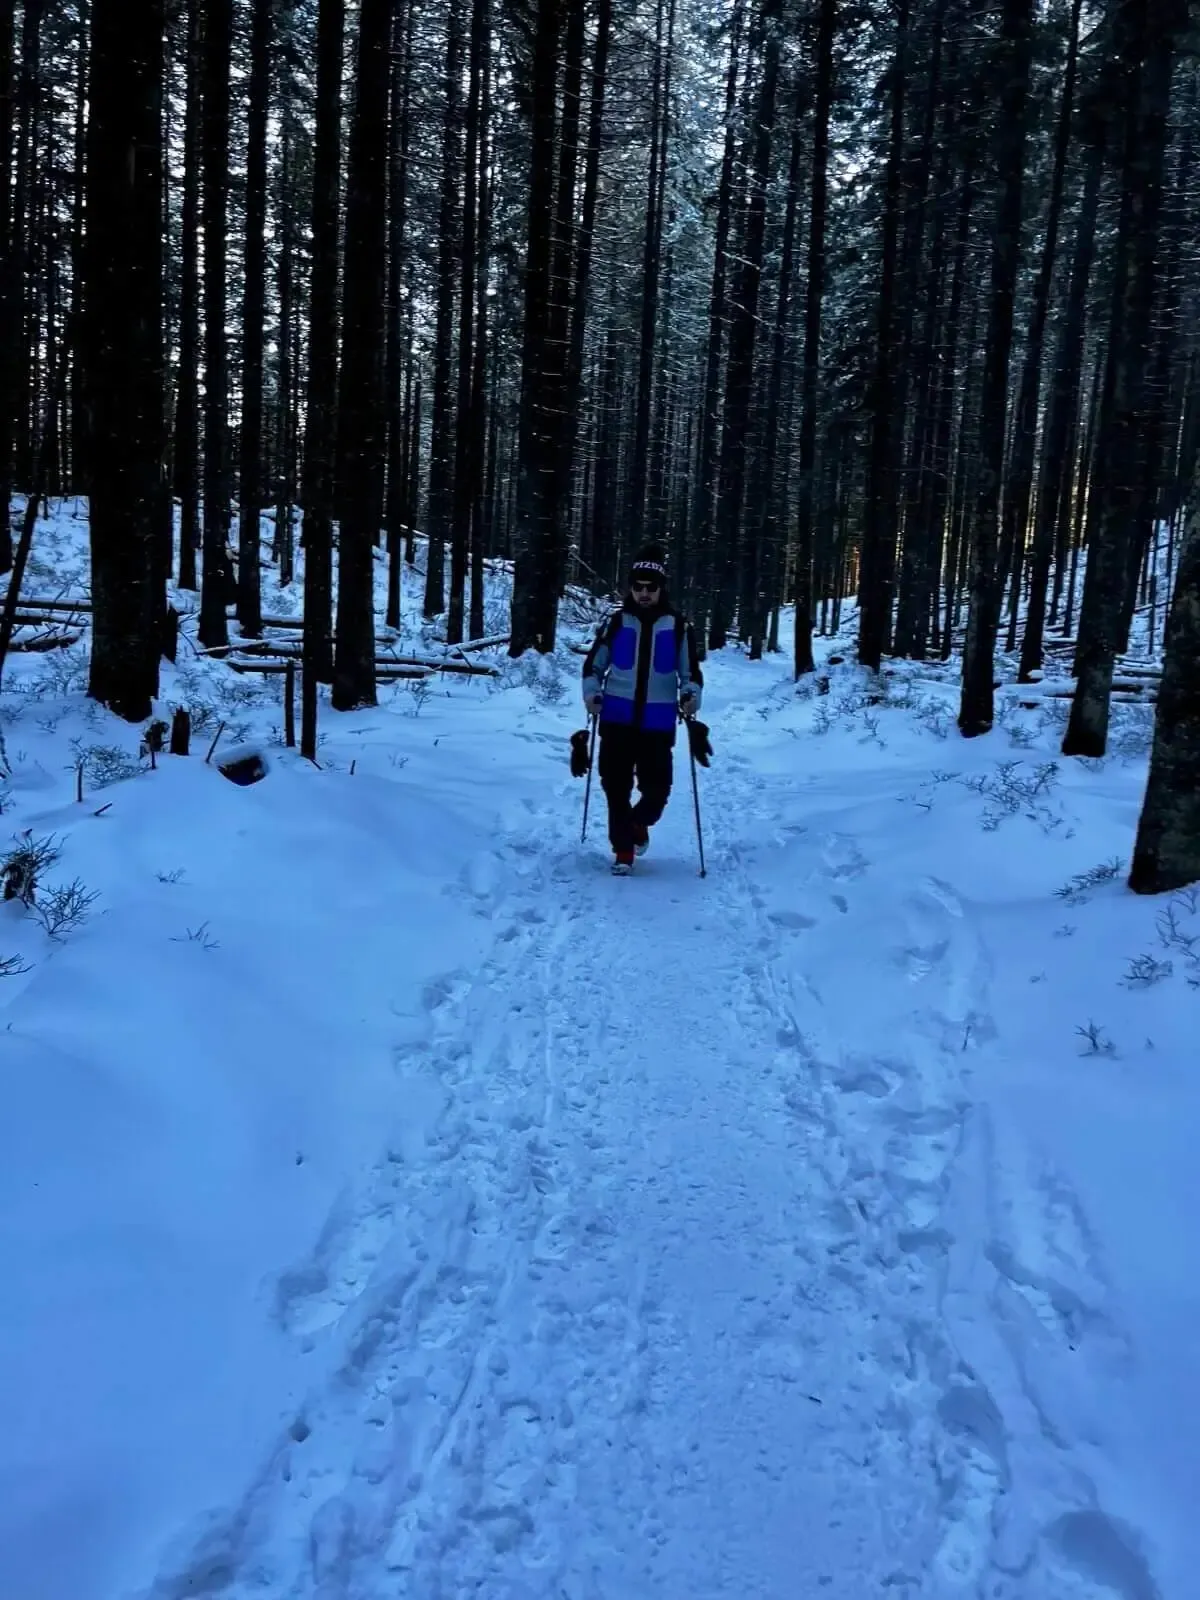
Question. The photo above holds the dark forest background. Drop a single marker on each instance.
(884, 299)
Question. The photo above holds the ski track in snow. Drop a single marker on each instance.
(665, 1296)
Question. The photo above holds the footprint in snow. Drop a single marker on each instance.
(1101, 1550)
(1045, 1252)
(794, 920)
(972, 1455)
(842, 857)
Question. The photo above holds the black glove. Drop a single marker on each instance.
(697, 733)
(580, 759)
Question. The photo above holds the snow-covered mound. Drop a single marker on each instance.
(393, 1204)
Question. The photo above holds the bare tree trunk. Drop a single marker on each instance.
(1019, 486)
(976, 707)
(465, 442)
(813, 307)
(761, 595)
(651, 270)
(187, 405)
(286, 409)
(560, 465)
(8, 284)
(704, 496)
(362, 412)
(534, 600)
(1146, 43)
(585, 242)
(319, 433)
(251, 496)
(1062, 410)
(399, 352)
(439, 513)
(878, 577)
(1167, 852)
(476, 622)
(743, 335)
(215, 580)
(121, 349)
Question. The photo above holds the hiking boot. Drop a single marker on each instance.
(623, 865)
(641, 838)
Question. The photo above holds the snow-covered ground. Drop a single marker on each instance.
(394, 1206)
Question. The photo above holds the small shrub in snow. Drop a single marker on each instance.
(1131, 731)
(871, 735)
(104, 764)
(934, 718)
(22, 868)
(418, 694)
(62, 909)
(1145, 971)
(1011, 791)
(1095, 1041)
(937, 780)
(193, 686)
(204, 717)
(543, 677)
(59, 908)
(550, 689)
(240, 693)
(1174, 935)
(170, 877)
(200, 936)
(1185, 903)
(1077, 889)
(62, 673)
(12, 967)
(1053, 718)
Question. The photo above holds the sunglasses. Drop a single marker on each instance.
(650, 586)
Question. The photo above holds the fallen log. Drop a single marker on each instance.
(1057, 687)
(45, 641)
(1120, 697)
(27, 603)
(472, 645)
(46, 619)
(277, 668)
(294, 652)
(464, 669)
(1133, 700)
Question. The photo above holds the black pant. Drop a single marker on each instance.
(626, 755)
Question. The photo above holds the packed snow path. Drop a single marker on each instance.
(654, 1291)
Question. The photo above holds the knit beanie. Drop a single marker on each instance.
(650, 563)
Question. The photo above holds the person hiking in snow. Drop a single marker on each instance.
(639, 675)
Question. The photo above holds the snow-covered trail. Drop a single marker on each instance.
(646, 1295)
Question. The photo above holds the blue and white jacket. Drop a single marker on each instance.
(644, 664)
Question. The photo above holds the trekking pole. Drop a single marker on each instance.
(696, 798)
(587, 793)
